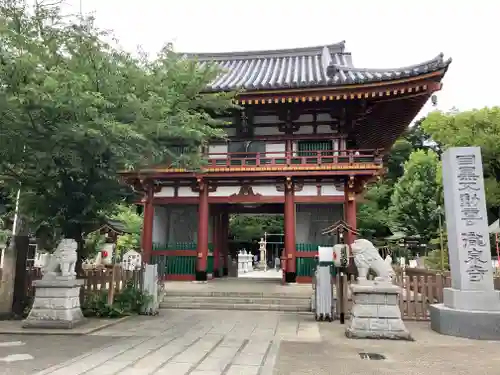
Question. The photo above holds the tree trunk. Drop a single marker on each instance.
(15, 256)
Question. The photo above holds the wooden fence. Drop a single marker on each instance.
(418, 292)
(97, 279)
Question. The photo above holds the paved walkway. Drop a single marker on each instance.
(271, 273)
(193, 343)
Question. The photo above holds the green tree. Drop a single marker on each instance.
(248, 228)
(479, 127)
(75, 110)
(133, 224)
(417, 196)
(374, 220)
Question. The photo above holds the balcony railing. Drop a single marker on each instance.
(294, 159)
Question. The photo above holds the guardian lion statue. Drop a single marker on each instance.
(366, 257)
(62, 262)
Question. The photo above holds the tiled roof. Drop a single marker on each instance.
(301, 68)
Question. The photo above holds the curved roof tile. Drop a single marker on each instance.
(301, 68)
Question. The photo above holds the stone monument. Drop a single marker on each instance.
(57, 294)
(471, 307)
(263, 254)
(375, 312)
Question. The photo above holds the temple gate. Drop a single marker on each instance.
(312, 132)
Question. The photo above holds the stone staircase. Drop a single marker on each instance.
(255, 295)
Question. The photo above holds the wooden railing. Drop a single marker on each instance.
(293, 159)
(417, 293)
(419, 289)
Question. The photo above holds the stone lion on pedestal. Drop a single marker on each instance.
(62, 262)
(366, 257)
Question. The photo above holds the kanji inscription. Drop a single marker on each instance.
(466, 219)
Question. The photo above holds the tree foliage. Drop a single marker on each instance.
(74, 110)
(473, 128)
(417, 196)
(374, 220)
(249, 228)
(133, 223)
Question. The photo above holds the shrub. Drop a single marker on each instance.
(128, 301)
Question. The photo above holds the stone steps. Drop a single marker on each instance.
(232, 300)
(226, 294)
(237, 306)
(168, 299)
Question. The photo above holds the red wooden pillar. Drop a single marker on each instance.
(350, 210)
(147, 228)
(225, 244)
(216, 236)
(290, 272)
(202, 243)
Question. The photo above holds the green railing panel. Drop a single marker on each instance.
(179, 246)
(308, 247)
(174, 246)
(181, 265)
(306, 266)
(210, 264)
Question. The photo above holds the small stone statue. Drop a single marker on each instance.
(375, 311)
(62, 262)
(366, 257)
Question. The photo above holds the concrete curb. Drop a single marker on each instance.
(78, 331)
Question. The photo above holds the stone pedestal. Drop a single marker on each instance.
(469, 314)
(471, 307)
(375, 312)
(56, 305)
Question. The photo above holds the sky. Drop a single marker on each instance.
(378, 33)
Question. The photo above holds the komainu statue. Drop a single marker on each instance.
(62, 262)
(366, 257)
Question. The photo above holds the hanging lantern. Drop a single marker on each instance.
(104, 254)
(341, 255)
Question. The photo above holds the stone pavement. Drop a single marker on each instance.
(430, 354)
(180, 342)
(196, 342)
(28, 354)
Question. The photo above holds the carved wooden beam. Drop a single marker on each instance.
(246, 191)
(297, 186)
(201, 184)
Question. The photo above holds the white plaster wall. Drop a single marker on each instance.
(331, 190)
(308, 190)
(166, 191)
(273, 119)
(278, 149)
(186, 191)
(224, 191)
(304, 129)
(267, 190)
(217, 149)
(160, 224)
(260, 130)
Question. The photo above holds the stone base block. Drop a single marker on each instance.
(477, 300)
(471, 324)
(375, 313)
(56, 304)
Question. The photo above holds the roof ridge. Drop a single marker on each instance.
(439, 59)
(285, 52)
